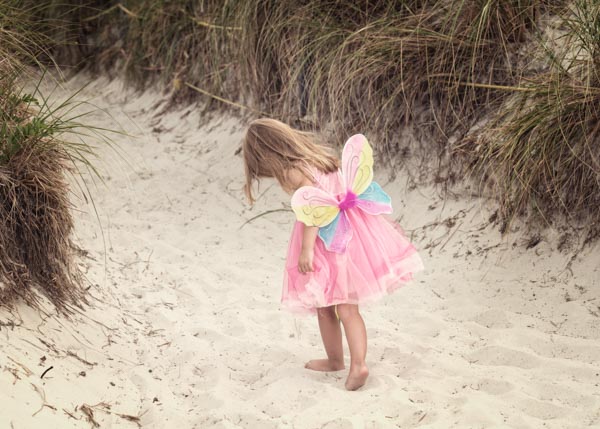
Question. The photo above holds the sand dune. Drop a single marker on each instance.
(185, 328)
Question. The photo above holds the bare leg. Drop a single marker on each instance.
(356, 334)
(331, 333)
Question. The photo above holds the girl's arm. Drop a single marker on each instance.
(309, 236)
(309, 233)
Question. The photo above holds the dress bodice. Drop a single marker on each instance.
(329, 182)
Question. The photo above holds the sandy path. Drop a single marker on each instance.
(185, 330)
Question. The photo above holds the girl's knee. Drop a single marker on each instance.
(326, 312)
(347, 311)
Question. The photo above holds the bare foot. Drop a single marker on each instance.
(324, 365)
(357, 377)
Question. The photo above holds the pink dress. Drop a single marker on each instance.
(378, 260)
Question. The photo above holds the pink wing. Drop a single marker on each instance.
(357, 164)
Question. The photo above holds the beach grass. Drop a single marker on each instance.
(480, 83)
(42, 142)
(540, 152)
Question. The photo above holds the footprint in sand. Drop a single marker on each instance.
(563, 395)
(423, 327)
(501, 356)
(338, 424)
(208, 374)
(404, 363)
(494, 387)
(251, 421)
(541, 409)
(424, 418)
(493, 318)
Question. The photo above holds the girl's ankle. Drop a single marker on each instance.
(336, 363)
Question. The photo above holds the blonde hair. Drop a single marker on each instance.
(272, 148)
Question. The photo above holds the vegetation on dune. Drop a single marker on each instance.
(542, 147)
(408, 62)
(39, 145)
(371, 65)
(440, 67)
(35, 218)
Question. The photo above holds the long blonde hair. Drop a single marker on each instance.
(272, 148)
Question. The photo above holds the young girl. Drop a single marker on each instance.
(356, 256)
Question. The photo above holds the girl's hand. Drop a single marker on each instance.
(305, 261)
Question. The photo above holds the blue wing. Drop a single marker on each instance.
(374, 200)
(337, 234)
(328, 232)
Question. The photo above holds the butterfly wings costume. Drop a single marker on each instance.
(317, 207)
(361, 255)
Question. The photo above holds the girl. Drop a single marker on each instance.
(333, 274)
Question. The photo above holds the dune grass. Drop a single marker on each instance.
(380, 66)
(482, 83)
(35, 226)
(540, 152)
(41, 143)
(363, 65)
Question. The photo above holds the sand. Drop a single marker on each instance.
(185, 329)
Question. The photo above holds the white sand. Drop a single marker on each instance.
(185, 330)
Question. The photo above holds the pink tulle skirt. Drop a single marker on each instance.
(378, 260)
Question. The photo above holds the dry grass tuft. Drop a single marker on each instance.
(35, 228)
(36, 252)
(540, 153)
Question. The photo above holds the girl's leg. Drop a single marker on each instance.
(356, 334)
(331, 333)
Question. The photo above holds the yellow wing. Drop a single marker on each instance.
(314, 207)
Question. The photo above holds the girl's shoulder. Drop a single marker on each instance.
(298, 177)
(317, 172)
(327, 180)
(303, 174)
